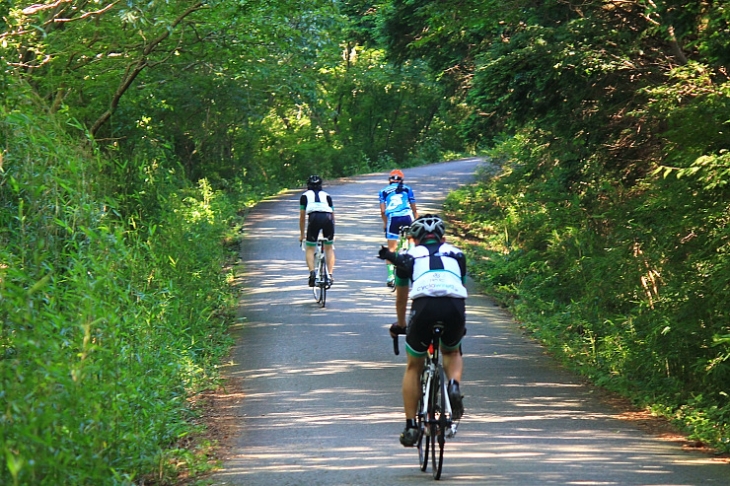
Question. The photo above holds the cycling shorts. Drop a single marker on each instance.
(392, 228)
(425, 312)
(323, 222)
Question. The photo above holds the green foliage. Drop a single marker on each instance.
(265, 92)
(606, 230)
(604, 227)
(111, 250)
(108, 324)
(632, 295)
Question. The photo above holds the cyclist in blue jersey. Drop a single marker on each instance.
(316, 205)
(397, 208)
(432, 274)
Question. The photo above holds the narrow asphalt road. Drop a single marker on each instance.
(321, 401)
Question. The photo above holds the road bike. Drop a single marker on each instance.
(434, 418)
(403, 244)
(321, 280)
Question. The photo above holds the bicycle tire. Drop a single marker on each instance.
(323, 280)
(316, 290)
(318, 260)
(437, 460)
(432, 423)
(423, 439)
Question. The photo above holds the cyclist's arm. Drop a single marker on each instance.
(332, 205)
(403, 274)
(415, 210)
(303, 201)
(382, 214)
(461, 258)
(401, 302)
(412, 202)
(302, 219)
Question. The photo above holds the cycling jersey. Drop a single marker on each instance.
(436, 270)
(397, 198)
(320, 210)
(316, 202)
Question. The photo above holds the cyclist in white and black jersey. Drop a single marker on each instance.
(315, 205)
(432, 273)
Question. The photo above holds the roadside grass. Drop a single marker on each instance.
(114, 313)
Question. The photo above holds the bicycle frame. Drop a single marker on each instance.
(403, 243)
(433, 368)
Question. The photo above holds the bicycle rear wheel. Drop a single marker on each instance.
(322, 280)
(318, 275)
(316, 290)
(423, 440)
(438, 430)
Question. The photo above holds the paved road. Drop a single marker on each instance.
(322, 402)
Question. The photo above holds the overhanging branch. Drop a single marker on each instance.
(138, 66)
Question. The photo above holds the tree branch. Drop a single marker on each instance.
(87, 14)
(134, 69)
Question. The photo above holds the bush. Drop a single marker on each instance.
(112, 314)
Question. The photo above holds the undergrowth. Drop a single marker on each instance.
(628, 292)
(114, 309)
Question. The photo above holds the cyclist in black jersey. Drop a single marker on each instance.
(432, 274)
(316, 206)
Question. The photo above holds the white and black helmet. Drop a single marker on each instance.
(428, 224)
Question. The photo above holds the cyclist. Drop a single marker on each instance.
(397, 208)
(317, 205)
(436, 271)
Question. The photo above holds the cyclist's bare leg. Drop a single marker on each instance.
(453, 364)
(310, 257)
(329, 253)
(412, 385)
(392, 246)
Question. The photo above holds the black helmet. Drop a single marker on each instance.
(314, 182)
(428, 224)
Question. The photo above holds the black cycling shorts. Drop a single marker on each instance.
(319, 221)
(425, 312)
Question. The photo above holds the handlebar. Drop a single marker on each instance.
(396, 329)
